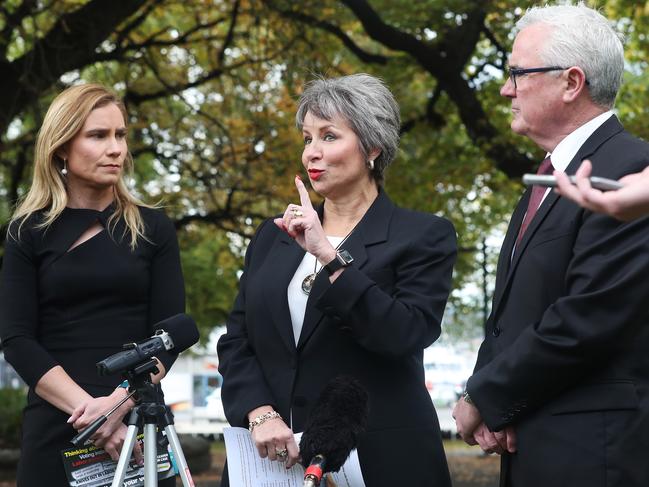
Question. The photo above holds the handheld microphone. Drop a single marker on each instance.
(333, 428)
(176, 333)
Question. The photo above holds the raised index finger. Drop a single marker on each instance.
(304, 194)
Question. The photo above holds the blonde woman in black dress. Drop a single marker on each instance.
(87, 267)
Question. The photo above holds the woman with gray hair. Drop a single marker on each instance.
(355, 286)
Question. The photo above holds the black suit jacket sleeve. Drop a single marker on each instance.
(408, 319)
(244, 387)
(579, 331)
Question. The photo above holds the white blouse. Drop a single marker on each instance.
(296, 297)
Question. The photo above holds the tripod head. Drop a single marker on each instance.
(139, 381)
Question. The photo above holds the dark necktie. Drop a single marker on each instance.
(535, 199)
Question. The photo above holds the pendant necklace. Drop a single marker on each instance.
(307, 283)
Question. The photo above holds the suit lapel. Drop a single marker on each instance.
(505, 256)
(547, 204)
(372, 229)
(279, 268)
(607, 130)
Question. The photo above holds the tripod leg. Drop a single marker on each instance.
(124, 456)
(179, 456)
(150, 456)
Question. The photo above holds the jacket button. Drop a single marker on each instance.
(294, 363)
(496, 331)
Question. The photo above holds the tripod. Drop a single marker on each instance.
(151, 412)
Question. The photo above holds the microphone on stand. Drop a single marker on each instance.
(333, 428)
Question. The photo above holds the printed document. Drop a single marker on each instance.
(247, 469)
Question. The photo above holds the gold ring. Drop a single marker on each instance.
(281, 454)
(297, 212)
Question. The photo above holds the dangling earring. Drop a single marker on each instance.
(64, 171)
(370, 164)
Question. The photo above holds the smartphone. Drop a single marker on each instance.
(596, 182)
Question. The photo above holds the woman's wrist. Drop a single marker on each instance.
(260, 410)
(119, 394)
(262, 418)
(327, 255)
(260, 415)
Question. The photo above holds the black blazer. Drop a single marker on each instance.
(566, 356)
(373, 323)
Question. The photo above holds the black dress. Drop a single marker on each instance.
(73, 308)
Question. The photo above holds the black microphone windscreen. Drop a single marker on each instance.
(335, 422)
(182, 330)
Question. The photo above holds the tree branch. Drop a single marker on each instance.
(138, 20)
(347, 41)
(230, 35)
(447, 67)
(168, 89)
(11, 20)
(219, 219)
(431, 116)
(69, 45)
(499, 47)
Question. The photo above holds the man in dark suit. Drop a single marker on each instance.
(561, 384)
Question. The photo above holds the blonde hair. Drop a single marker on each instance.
(63, 121)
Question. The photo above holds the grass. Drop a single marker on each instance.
(456, 445)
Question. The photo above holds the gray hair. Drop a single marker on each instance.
(368, 107)
(582, 37)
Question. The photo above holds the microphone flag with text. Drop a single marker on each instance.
(176, 333)
(333, 428)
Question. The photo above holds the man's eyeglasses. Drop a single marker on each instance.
(513, 72)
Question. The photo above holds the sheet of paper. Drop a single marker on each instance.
(349, 474)
(247, 469)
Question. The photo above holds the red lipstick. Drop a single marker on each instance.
(315, 174)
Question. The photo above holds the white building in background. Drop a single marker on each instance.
(9, 379)
(192, 390)
(446, 369)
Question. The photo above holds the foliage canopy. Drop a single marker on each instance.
(211, 87)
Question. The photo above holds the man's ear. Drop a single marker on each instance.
(576, 83)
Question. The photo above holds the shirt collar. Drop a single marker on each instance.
(565, 151)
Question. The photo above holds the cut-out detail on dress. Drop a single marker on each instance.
(93, 230)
